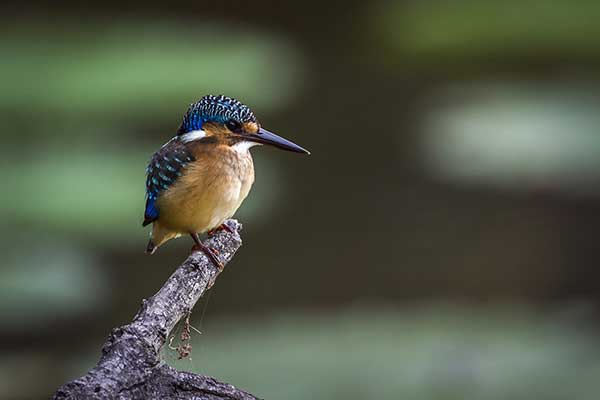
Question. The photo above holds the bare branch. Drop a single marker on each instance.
(130, 365)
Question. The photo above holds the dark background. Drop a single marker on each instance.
(440, 241)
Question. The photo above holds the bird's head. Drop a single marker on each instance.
(225, 120)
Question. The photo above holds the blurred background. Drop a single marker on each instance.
(441, 242)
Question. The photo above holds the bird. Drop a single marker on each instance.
(201, 176)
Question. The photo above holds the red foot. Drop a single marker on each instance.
(221, 227)
(211, 253)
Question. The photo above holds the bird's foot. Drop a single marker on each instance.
(222, 227)
(211, 253)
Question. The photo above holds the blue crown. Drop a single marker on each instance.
(218, 109)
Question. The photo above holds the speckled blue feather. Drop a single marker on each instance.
(218, 109)
(165, 167)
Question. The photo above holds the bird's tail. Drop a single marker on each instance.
(151, 247)
(159, 236)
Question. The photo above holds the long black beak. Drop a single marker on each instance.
(265, 137)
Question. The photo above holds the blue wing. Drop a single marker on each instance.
(165, 167)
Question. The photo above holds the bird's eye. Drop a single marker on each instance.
(233, 125)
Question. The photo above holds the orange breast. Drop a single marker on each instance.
(210, 190)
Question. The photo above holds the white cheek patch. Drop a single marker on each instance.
(193, 135)
(242, 147)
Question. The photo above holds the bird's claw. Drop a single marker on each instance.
(222, 227)
(211, 253)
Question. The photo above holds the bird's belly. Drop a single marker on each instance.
(203, 200)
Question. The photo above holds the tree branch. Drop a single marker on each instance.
(130, 365)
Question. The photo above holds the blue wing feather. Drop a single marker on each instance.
(165, 167)
(151, 213)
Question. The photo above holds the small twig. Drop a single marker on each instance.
(185, 347)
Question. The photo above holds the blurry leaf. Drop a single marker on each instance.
(85, 192)
(44, 280)
(516, 136)
(423, 353)
(505, 31)
(139, 69)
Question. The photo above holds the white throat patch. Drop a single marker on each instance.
(242, 147)
(193, 135)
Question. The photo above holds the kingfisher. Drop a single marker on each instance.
(200, 177)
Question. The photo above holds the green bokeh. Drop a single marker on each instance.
(461, 31)
(136, 70)
(428, 352)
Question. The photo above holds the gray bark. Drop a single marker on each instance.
(130, 366)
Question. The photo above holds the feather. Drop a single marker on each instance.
(163, 170)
